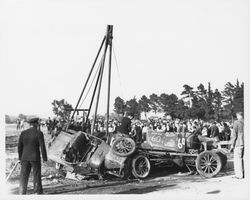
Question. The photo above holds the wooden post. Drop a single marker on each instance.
(93, 95)
(109, 40)
(98, 94)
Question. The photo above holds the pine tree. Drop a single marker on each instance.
(168, 103)
(119, 105)
(238, 102)
(188, 92)
(217, 102)
(132, 107)
(144, 105)
(154, 102)
(228, 95)
(209, 107)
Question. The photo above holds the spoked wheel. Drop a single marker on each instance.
(123, 147)
(223, 157)
(140, 166)
(208, 164)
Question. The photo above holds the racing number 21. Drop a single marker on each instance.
(181, 143)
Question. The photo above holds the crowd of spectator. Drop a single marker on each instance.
(221, 130)
(212, 129)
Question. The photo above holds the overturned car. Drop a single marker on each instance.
(85, 154)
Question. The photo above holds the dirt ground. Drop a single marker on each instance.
(172, 182)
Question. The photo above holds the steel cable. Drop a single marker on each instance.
(91, 83)
(118, 73)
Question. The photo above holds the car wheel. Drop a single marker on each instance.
(223, 157)
(123, 147)
(140, 166)
(208, 164)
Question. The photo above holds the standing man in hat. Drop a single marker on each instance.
(125, 126)
(237, 145)
(214, 131)
(29, 145)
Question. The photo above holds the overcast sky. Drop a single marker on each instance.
(47, 48)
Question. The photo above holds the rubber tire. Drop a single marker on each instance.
(215, 156)
(134, 171)
(223, 157)
(123, 154)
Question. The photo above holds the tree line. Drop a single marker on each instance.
(200, 102)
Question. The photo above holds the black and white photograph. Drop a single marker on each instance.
(128, 99)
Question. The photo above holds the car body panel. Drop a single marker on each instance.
(166, 141)
(99, 155)
(113, 161)
(57, 146)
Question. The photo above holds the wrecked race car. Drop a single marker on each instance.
(85, 154)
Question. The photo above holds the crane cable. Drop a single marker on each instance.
(91, 83)
(118, 73)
